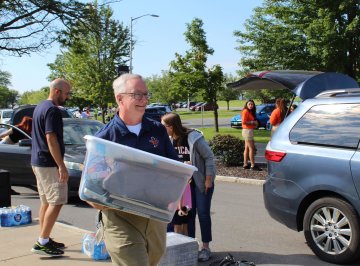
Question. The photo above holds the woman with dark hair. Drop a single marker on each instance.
(278, 115)
(292, 108)
(12, 136)
(192, 148)
(249, 123)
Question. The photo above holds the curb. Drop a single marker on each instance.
(241, 180)
(73, 227)
(68, 226)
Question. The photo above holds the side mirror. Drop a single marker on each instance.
(25, 143)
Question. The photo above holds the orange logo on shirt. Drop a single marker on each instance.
(154, 141)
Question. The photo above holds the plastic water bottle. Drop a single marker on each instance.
(88, 245)
(9, 220)
(17, 219)
(93, 250)
(28, 214)
(100, 252)
(3, 214)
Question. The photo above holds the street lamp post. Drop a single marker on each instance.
(131, 35)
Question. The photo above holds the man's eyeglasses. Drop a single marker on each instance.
(138, 96)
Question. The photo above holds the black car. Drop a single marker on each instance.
(15, 158)
(28, 110)
(156, 112)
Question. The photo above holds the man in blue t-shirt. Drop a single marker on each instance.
(47, 160)
(132, 239)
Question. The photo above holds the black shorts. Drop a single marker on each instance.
(179, 220)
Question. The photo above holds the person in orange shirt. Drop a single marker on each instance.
(278, 115)
(249, 123)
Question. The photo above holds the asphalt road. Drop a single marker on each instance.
(241, 226)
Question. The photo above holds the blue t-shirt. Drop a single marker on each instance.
(152, 137)
(46, 119)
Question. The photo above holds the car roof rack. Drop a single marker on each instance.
(339, 92)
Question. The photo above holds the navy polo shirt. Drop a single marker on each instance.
(152, 138)
(46, 119)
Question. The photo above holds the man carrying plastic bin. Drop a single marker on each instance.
(132, 239)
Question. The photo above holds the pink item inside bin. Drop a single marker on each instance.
(187, 197)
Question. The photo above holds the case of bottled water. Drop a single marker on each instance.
(180, 251)
(92, 249)
(15, 215)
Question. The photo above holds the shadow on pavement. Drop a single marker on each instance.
(269, 259)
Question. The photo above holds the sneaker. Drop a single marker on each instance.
(48, 250)
(204, 254)
(56, 244)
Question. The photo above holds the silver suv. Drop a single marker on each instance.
(313, 179)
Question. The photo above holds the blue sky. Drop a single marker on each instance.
(158, 39)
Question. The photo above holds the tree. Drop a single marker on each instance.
(13, 97)
(310, 35)
(7, 97)
(31, 25)
(5, 78)
(34, 97)
(189, 73)
(159, 88)
(228, 94)
(89, 58)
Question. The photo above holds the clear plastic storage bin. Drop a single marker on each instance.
(132, 180)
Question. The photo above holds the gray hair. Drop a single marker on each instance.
(119, 84)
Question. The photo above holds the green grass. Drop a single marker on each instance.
(207, 114)
(235, 105)
(238, 104)
(260, 135)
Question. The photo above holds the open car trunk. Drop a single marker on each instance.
(304, 84)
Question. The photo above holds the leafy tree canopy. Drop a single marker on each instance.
(5, 78)
(31, 25)
(189, 74)
(34, 97)
(228, 94)
(89, 58)
(296, 34)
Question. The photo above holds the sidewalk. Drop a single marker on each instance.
(16, 243)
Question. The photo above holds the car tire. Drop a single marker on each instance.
(332, 231)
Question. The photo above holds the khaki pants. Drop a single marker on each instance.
(133, 240)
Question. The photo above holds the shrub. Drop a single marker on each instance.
(228, 149)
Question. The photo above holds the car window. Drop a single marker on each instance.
(74, 133)
(269, 109)
(329, 125)
(7, 114)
